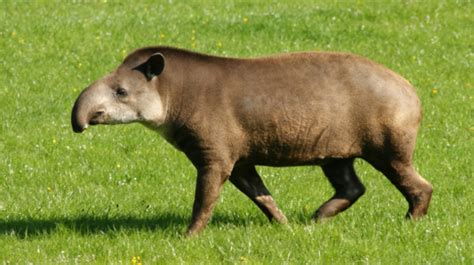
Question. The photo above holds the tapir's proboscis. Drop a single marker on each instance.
(229, 115)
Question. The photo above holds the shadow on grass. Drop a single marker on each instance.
(89, 224)
(168, 223)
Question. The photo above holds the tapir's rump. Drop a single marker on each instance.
(229, 115)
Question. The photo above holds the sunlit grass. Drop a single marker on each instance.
(121, 194)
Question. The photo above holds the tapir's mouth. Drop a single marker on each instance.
(92, 122)
(95, 122)
(79, 125)
(80, 129)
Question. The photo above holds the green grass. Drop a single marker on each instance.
(121, 192)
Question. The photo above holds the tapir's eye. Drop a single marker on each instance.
(121, 92)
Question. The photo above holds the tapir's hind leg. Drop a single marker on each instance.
(347, 185)
(395, 162)
(247, 180)
(415, 188)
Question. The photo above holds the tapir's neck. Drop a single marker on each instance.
(184, 82)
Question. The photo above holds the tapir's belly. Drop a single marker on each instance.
(311, 152)
(302, 140)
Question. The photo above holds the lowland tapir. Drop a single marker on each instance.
(230, 114)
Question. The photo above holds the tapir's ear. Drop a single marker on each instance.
(153, 66)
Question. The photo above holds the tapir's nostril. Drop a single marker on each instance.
(96, 116)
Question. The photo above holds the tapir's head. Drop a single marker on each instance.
(128, 94)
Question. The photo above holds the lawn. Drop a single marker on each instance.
(121, 194)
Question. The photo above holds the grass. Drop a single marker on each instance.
(120, 194)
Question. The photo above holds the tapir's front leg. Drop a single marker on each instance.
(208, 187)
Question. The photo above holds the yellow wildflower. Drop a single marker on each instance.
(193, 39)
(245, 19)
(434, 91)
(136, 260)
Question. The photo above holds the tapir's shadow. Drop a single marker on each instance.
(168, 223)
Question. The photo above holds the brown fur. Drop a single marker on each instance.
(229, 115)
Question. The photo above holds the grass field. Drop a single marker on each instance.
(120, 194)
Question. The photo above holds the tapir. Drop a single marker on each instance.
(228, 115)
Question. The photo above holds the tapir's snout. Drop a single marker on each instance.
(85, 112)
(78, 120)
(81, 119)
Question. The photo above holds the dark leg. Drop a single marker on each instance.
(247, 180)
(415, 188)
(347, 185)
(208, 186)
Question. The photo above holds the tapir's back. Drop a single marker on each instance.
(302, 108)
